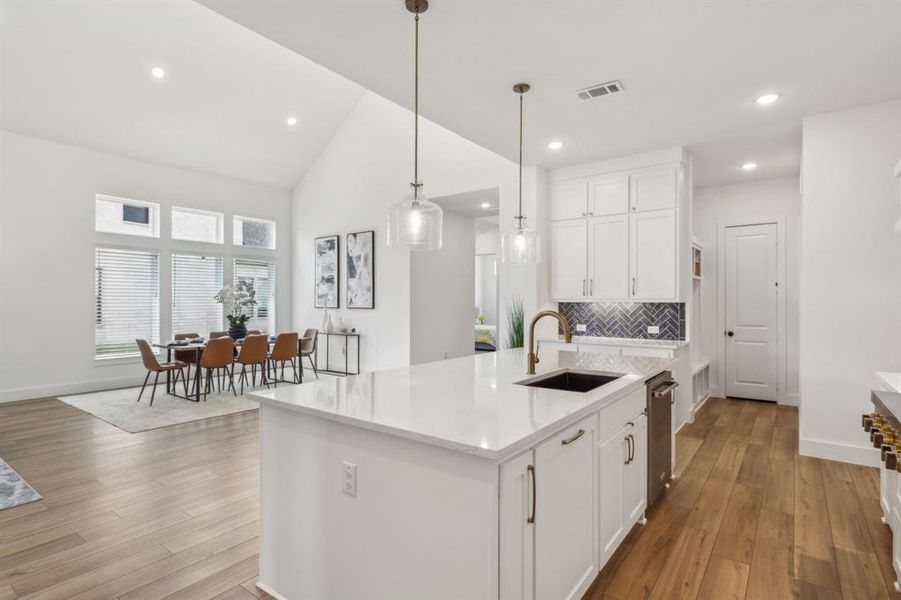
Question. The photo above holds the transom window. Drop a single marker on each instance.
(195, 225)
(254, 233)
(127, 217)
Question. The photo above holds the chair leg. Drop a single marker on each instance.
(312, 364)
(153, 391)
(143, 386)
(231, 379)
(183, 380)
(242, 377)
(294, 368)
(206, 389)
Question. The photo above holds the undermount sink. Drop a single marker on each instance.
(571, 381)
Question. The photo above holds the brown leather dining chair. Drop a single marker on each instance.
(308, 347)
(218, 354)
(284, 350)
(155, 366)
(253, 353)
(189, 357)
(217, 334)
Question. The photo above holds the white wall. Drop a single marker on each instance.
(850, 274)
(47, 242)
(441, 312)
(366, 168)
(764, 201)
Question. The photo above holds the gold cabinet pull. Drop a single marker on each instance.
(631, 447)
(580, 433)
(531, 518)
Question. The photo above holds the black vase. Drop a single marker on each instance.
(237, 332)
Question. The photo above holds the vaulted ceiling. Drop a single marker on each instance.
(691, 69)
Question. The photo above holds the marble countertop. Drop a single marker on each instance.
(470, 404)
(891, 380)
(628, 342)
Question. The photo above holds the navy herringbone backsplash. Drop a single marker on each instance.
(627, 319)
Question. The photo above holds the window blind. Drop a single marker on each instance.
(195, 280)
(126, 300)
(261, 273)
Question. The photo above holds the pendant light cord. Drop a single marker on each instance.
(416, 110)
(519, 216)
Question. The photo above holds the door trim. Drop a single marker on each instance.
(721, 227)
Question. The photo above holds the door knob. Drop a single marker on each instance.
(730, 333)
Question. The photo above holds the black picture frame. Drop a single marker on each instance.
(352, 300)
(320, 263)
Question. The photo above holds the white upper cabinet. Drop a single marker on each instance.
(652, 253)
(608, 195)
(653, 189)
(569, 257)
(608, 258)
(568, 199)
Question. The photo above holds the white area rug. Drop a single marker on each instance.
(120, 407)
(13, 489)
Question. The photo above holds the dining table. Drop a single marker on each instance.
(198, 347)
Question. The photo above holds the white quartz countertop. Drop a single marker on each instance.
(892, 380)
(470, 404)
(627, 342)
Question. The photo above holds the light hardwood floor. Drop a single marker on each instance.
(747, 517)
(173, 513)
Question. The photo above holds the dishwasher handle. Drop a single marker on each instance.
(669, 387)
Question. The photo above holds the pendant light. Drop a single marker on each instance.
(414, 222)
(522, 245)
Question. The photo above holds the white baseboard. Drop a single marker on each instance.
(791, 400)
(270, 591)
(858, 455)
(697, 407)
(64, 389)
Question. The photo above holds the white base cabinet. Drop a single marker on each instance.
(566, 505)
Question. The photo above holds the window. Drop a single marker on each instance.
(196, 225)
(128, 217)
(261, 273)
(127, 300)
(195, 280)
(254, 233)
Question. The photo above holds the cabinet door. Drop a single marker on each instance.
(635, 473)
(565, 532)
(568, 199)
(515, 532)
(608, 258)
(612, 455)
(653, 189)
(608, 195)
(652, 238)
(569, 259)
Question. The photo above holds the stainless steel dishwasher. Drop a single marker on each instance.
(661, 391)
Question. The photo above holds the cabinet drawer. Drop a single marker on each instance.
(616, 415)
(655, 352)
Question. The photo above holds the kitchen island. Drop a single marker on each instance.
(451, 480)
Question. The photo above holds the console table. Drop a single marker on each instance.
(347, 337)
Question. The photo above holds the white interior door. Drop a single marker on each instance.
(752, 314)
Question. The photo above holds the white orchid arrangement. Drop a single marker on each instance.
(237, 296)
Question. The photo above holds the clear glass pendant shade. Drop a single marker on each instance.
(521, 247)
(415, 223)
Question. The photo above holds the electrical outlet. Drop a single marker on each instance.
(350, 479)
(581, 327)
(653, 329)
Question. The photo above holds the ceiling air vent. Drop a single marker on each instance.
(596, 91)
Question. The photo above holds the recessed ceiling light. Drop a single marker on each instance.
(555, 145)
(486, 205)
(749, 166)
(291, 121)
(158, 72)
(767, 98)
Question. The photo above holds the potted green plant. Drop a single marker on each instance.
(237, 297)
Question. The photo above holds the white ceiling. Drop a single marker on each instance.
(691, 69)
(469, 204)
(79, 73)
